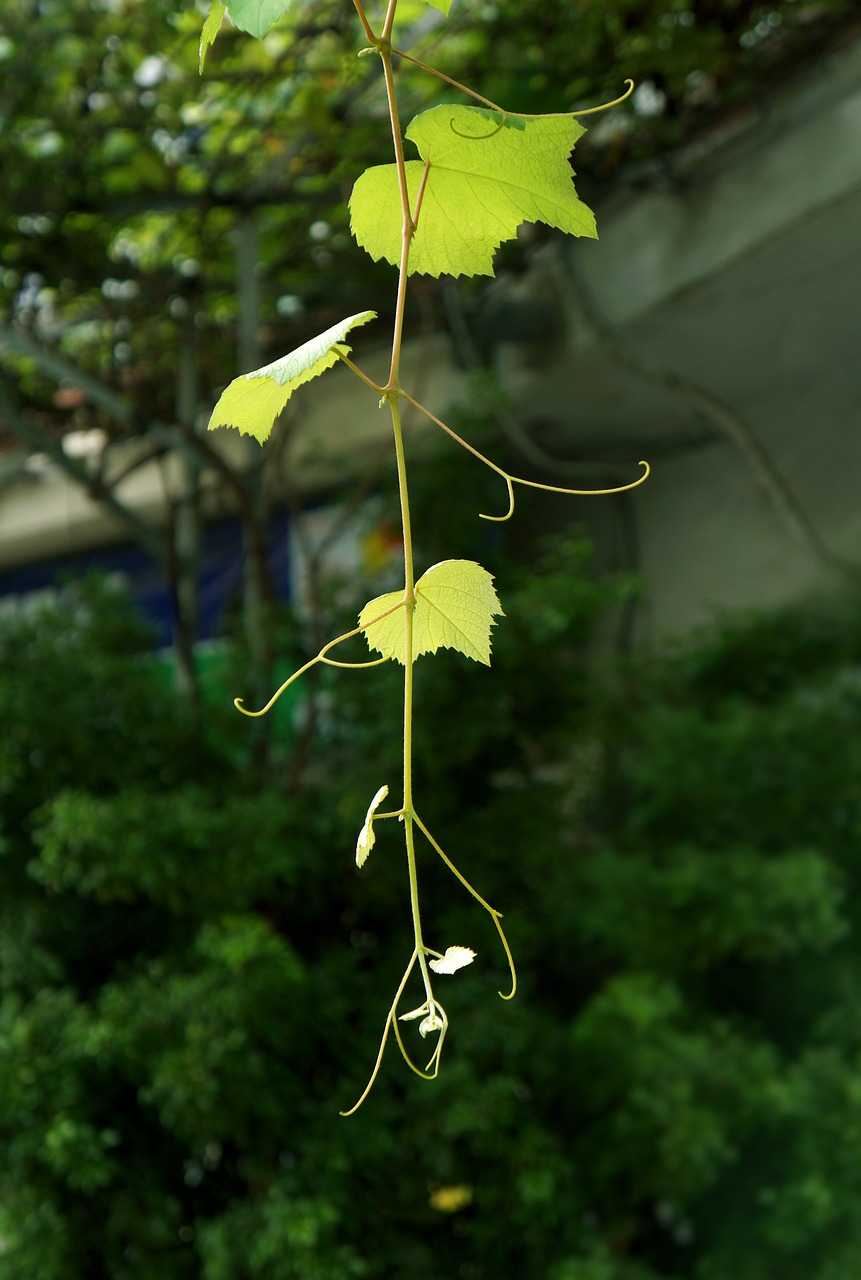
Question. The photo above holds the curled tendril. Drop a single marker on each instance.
(606, 106)
(495, 915)
(510, 512)
(321, 657)
(357, 666)
(582, 493)
(390, 1018)
(511, 481)
(431, 1071)
(553, 115)
(434, 1009)
(493, 106)
(480, 137)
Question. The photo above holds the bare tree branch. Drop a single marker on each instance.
(143, 534)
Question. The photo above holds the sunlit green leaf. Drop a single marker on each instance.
(483, 179)
(455, 607)
(252, 402)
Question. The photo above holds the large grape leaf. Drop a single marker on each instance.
(252, 402)
(483, 180)
(455, 607)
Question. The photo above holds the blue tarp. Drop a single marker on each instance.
(220, 575)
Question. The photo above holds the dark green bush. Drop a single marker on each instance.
(195, 976)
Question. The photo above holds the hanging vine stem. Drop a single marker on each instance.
(434, 1017)
(434, 1020)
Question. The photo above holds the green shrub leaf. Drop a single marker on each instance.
(211, 28)
(252, 402)
(483, 180)
(257, 16)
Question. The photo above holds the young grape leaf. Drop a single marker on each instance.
(367, 836)
(483, 179)
(211, 28)
(252, 402)
(257, 16)
(455, 958)
(455, 607)
(431, 1019)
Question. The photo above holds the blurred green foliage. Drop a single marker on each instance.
(194, 973)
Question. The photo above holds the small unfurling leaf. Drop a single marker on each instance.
(367, 838)
(455, 958)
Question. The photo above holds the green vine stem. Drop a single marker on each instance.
(392, 391)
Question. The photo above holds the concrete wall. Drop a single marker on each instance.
(716, 330)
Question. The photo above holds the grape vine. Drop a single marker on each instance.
(481, 172)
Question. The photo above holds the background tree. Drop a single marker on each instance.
(189, 959)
